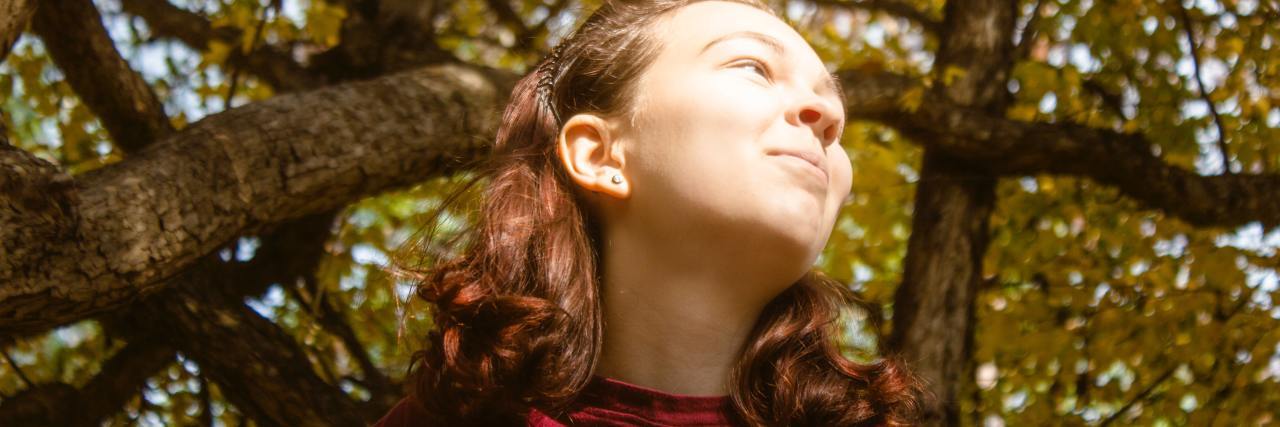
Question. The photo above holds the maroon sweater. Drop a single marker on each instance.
(607, 402)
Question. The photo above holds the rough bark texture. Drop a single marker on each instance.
(144, 219)
(35, 210)
(933, 311)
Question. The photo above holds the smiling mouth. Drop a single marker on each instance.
(805, 164)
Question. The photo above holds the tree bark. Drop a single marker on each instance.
(144, 219)
(988, 141)
(933, 311)
(106, 84)
(273, 65)
(121, 378)
(257, 365)
(14, 15)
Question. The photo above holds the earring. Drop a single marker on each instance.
(617, 179)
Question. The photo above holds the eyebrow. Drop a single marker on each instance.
(832, 80)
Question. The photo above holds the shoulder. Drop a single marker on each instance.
(407, 413)
(539, 419)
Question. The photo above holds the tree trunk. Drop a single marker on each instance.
(933, 312)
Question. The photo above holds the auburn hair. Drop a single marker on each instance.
(517, 314)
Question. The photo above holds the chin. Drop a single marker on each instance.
(796, 252)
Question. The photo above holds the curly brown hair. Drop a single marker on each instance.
(517, 316)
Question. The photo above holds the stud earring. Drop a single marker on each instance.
(617, 179)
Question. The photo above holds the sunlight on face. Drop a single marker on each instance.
(737, 133)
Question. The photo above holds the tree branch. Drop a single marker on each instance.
(120, 378)
(17, 369)
(896, 8)
(269, 63)
(142, 220)
(1142, 394)
(273, 7)
(35, 208)
(382, 36)
(257, 365)
(14, 15)
(1204, 93)
(88, 59)
(1027, 37)
(1010, 147)
(507, 14)
(330, 316)
(286, 252)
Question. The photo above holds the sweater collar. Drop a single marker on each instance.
(654, 405)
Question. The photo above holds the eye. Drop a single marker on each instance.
(756, 65)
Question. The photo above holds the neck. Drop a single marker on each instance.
(673, 325)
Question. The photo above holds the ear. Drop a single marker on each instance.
(592, 156)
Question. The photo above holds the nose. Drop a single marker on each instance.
(820, 114)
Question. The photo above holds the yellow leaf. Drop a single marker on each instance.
(217, 52)
(951, 73)
(910, 100)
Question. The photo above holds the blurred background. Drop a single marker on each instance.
(1063, 212)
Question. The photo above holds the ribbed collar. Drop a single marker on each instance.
(611, 395)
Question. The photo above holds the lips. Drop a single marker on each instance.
(813, 159)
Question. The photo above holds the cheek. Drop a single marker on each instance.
(714, 103)
(702, 123)
(842, 172)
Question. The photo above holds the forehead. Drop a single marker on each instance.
(699, 27)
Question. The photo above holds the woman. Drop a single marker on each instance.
(660, 187)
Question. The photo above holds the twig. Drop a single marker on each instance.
(253, 45)
(1204, 94)
(1029, 33)
(1146, 391)
(206, 402)
(17, 369)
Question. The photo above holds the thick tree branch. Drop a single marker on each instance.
(257, 365)
(507, 14)
(14, 15)
(382, 36)
(1010, 147)
(120, 378)
(88, 59)
(285, 254)
(270, 63)
(895, 8)
(144, 219)
(35, 208)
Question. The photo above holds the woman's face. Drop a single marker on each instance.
(736, 133)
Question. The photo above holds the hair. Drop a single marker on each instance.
(517, 315)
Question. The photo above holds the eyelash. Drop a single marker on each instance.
(764, 70)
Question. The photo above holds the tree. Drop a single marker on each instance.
(1064, 209)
